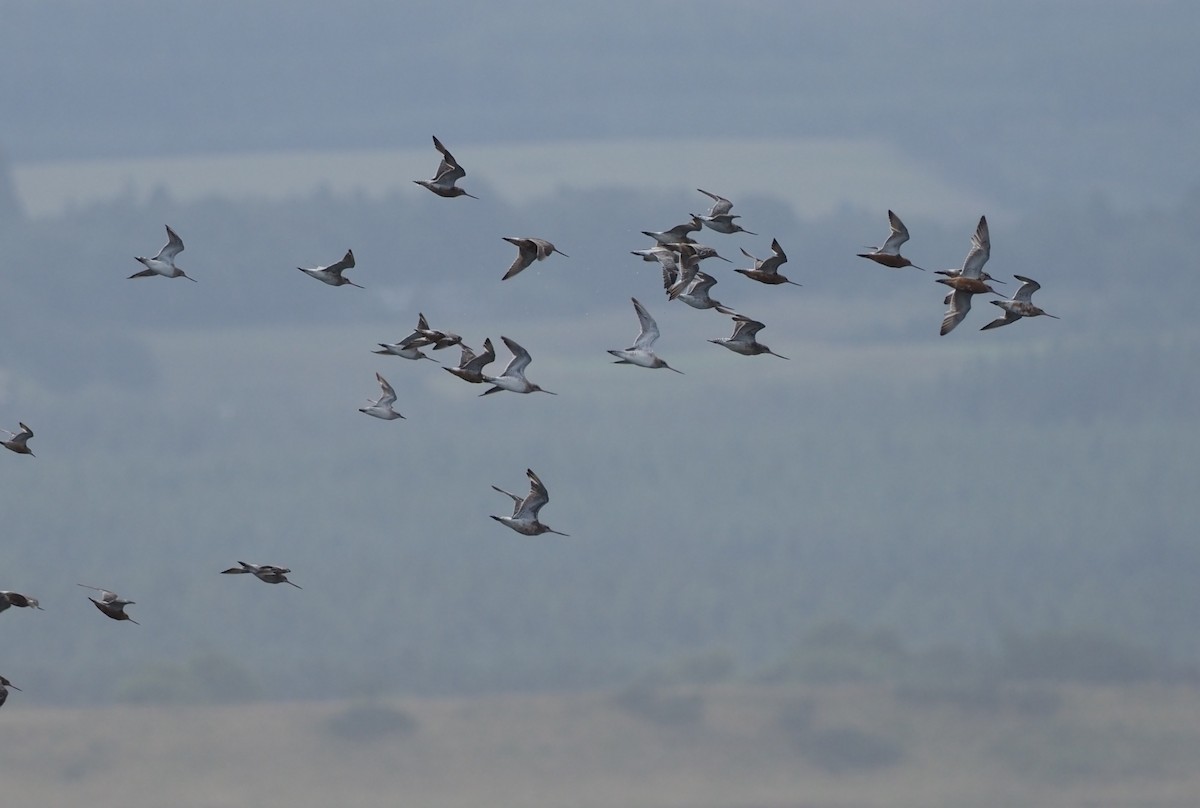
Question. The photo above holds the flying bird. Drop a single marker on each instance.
(448, 173)
(111, 604)
(524, 517)
(20, 440)
(332, 274)
(471, 365)
(8, 599)
(677, 234)
(4, 686)
(889, 254)
(267, 573)
(513, 378)
(640, 352)
(1020, 306)
(719, 218)
(968, 281)
(766, 270)
(697, 295)
(382, 406)
(744, 339)
(529, 250)
(163, 263)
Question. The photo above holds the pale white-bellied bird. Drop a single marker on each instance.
(448, 173)
(111, 604)
(719, 217)
(513, 378)
(382, 406)
(332, 274)
(524, 517)
(641, 353)
(268, 573)
(1020, 306)
(471, 365)
(19, 441)
(744, 339)
(163, 263)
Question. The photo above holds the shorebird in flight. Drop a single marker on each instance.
(524, 517)
(766, 270)
(163, 263)
(8, 599)
(4, 686)
(677, 234)
(719, 218)
(529, 250)
(332, 274)
(111, 604)
(513, 378)
(969, 280)
(697, 295)
(267, 573)
(1020, 306)
(382, 406)
(19, 441)
(423, 335)
(448, 173)
(471, 365)
(744, 339)
(889, 254)
(641, 352)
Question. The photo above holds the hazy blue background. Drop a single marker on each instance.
(953, 491)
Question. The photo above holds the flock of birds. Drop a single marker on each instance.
(679, 257)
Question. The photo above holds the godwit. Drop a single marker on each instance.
(4, 686)
(1020, 306)
(677, 234)
(423, 335)
(524, 517)
(17, 599)
(889, 254)
(513, 378)
(529, 250)
(163, 263)
(968, 281)
(448, 173)
(332, 274)
(470, 366)
(410, 346)
(382, 406)
(640, 353)
(697, 295)
(111, 604)
(19, 440)
(767, 270)
(719, 218)
(665, 256)
(402, 350)
(743, 340)
(267, 573)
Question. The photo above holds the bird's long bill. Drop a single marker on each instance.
(1055, 316)
(355, 285)
(14, 687)
(723, 258)
(470, 195)
(295, 585)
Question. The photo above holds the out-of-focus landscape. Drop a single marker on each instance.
(895, 569)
